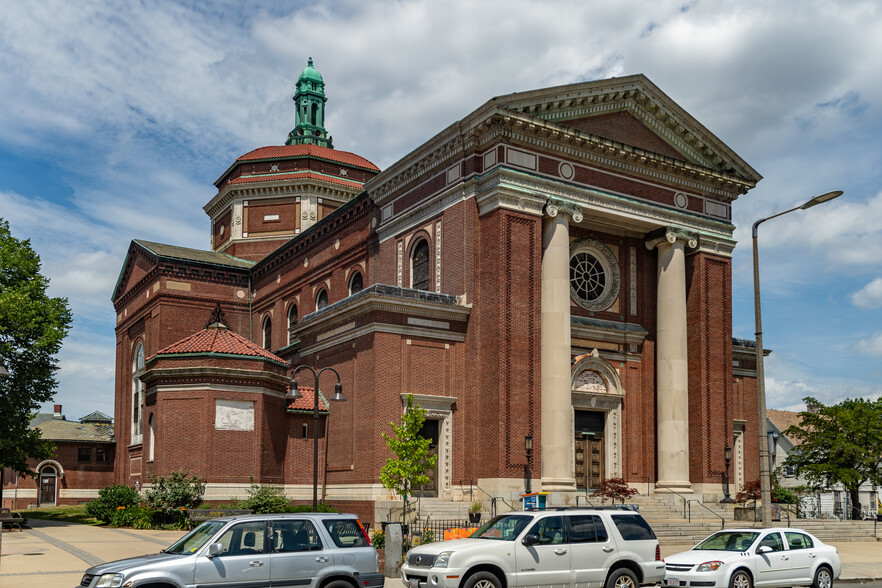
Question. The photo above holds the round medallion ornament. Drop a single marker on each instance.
(594, 274)
(566, 170)
(681, 200)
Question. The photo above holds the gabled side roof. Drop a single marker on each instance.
(161, 251)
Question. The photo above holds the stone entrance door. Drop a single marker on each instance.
(589, 448)
(48, 479)
(430, 430)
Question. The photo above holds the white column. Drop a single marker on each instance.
(557, 413)
(672, 367)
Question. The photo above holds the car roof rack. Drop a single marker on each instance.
(602, 507)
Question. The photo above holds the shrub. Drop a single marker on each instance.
(615, 489)
(264, 499)
(378, 538)
(171, 497)
(321, 507)
(751, 492)
(134, 516)
(428, 537)
(109, 500)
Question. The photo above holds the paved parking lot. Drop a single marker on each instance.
(54, 554)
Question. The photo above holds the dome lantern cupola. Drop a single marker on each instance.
(310, 99)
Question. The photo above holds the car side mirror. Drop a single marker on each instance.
(763, 549)
(530, 540)
(215, 549)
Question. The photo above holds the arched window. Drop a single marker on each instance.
(267, 333)
(151, 447)
(137, 393)
(292, 320)
(356, 284)
(321, 300)
(419, 266)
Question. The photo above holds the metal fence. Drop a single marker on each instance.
(437, 528)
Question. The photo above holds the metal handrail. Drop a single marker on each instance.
(493, 499)
(687, 505)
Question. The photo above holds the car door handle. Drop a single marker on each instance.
(321, 559)
(255, 564)
(560, 551)
(607, 548)
(812, 556)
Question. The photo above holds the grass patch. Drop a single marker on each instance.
(68, 514)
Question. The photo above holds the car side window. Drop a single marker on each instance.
(291, 535)
(346, 533)
(798, 540)
(550, 530)
(243, 539)
(587, 529)
(772, 540)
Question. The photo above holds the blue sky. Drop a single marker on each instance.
(118, 116)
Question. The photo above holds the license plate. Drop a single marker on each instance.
(414, 583)
(672, 582)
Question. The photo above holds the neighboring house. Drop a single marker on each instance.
(829, 502)
(82, 465)
(557, 264)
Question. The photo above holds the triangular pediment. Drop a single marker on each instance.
(634, 112)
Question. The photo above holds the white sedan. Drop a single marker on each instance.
(743, 558)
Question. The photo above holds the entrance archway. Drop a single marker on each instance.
(48, 486)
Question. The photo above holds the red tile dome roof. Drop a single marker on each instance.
(285, 151)
(217, 338)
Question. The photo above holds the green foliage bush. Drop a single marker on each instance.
(378, 538)
(109, 500)
(264, 499)
(134, 516)
(171, 497)
(321, 507)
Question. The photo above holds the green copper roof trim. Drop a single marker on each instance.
(309, 112)
(215, 354)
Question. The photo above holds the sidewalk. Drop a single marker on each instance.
(51, 554)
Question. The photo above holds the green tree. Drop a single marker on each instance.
(409, 467)
(840, 443)
(32, 327)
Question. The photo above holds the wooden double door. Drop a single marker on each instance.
(589, 448)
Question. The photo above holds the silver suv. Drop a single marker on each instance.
(613, 548)
(308, 549)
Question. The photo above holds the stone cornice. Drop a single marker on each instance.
(204, 372)
(277, 189)
(607, 331)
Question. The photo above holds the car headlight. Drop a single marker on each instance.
(442, 559)
(109, 581)
(709, 566)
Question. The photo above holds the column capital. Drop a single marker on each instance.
(554, 207)
(671, 235)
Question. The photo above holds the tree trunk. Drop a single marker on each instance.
(855, 495)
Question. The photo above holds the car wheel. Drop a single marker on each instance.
(823, 578)
(740, 579)
(622, 578)
(483, 580)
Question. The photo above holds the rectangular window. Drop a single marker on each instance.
(295, 535)
(346, 533)
(84, 454)
(633, 527)
(587, 529)
(101, 455)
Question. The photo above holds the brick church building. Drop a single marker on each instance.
(557, 265)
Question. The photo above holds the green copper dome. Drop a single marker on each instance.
(310, 99)
(310, 74)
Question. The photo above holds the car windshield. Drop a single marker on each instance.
(196, 538)
(728, 541)
(503, 527)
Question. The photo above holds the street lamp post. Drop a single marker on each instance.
(294, 394)
(727, 455)
(765, 474)
(528, 447)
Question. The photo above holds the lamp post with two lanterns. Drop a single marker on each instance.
(295, 394)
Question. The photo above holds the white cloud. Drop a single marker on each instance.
(870, 296)
(871, 346)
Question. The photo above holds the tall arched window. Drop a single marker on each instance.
(419, 264)
(356, 284)
(151, 446)
(321, 300)
(137, 393)
(292, 320)
(267, 333)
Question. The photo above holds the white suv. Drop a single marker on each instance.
(588, 548)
